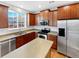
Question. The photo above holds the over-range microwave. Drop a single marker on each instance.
(44, 22)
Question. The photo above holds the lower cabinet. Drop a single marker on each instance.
(21, 40)
(54, 39)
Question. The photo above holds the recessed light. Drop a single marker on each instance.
(39, 6)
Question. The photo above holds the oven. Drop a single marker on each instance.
(43, 36)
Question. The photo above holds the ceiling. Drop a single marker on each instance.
(36, 6)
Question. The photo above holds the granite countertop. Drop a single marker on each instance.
(15, 34)
(4, 35)
(37, 48)
(53, 33)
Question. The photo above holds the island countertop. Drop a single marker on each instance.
(37, 48)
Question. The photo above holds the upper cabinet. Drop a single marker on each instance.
(45, 14)
(64, 12)
(77, 10)
(53, 18)
(3, 16)
(32, 19)
(68, 12)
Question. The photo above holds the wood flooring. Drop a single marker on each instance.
(55, 54)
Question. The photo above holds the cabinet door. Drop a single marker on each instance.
(73, 11)
(19, 41)
(77, 10)
(3, 16)
(50, 18)
(32, 19)
(54, 39)
(46, 15)
(60, 13)
(53, 18)
(32, 36)
(29, 37)
(64, 13)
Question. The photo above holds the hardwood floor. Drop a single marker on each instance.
(55, 54)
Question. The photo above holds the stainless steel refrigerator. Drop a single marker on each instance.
(68, 37)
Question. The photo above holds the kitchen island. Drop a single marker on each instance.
(37, 48)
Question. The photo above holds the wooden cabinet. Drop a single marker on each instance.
(68, 12)
(77, 10)
(3, 16)
(64, 12)
(45, 14)
(73, 11)
(30, 36)
(53, 18)
(54, 39)
(32, 19)
(21, 40)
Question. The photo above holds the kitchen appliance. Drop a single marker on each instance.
(7, 46)
(12, 44)
(4, 47)
(42, 36)
(43, 33)
(68, 38)
(44, 22)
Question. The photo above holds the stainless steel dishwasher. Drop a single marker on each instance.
(4, 47)
(12, 44)
(7, 46)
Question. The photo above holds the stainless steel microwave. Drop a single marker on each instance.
(44, 22)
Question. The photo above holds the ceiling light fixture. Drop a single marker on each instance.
(39, 6)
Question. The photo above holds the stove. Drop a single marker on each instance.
(43, 33)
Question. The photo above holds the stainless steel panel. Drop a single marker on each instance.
(69, 44)
(73, 38)
(62, 46)
(4, 48)
(62, 41)
(12, 44)
(61, 24)
(72, 52)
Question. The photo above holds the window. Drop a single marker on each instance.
(12, 19)
(16, 19)
(21, 20)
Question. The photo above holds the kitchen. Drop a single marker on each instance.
(39, 29)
